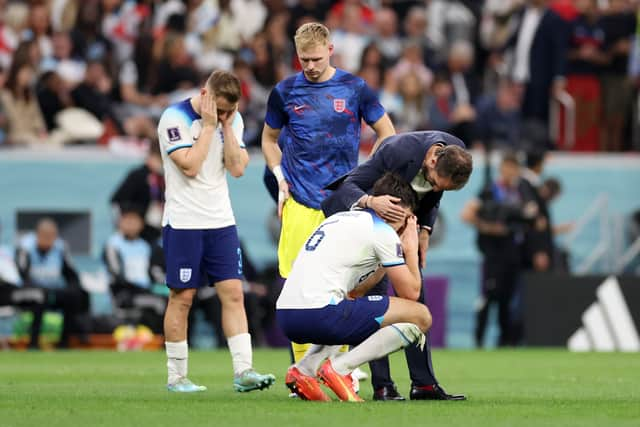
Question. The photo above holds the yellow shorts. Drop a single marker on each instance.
(298, 222)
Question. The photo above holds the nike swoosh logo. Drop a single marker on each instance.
(298, 107)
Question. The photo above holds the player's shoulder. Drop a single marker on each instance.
(380, 228)
(285, 85)
(180, 111)
(115, 240)
(343, 77)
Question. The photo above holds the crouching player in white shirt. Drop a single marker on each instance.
(201, 138)
(322, 301)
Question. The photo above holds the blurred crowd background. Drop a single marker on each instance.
(479, 69)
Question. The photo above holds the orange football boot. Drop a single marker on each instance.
(305, 386)
(342, 385)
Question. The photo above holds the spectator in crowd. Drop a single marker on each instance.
(500, 216)
(266, 71)
(144, 186)
(28, 52)
(71, 68)
(89, 42)
(94, 95)
(586, 58)
(53, 97)
(307, 10)
(445, 113)
(619, 26)
(449, 21)
(12, 20)
(120, 22)
(26, 123)
(45, 265)
(349, 34)
(415, 33)
(133, 83)
(386, 34)
(372, 58)
(175, 68)
(498, 121)
(413, 114)
(459, 66)
(127, 257)
(39, 28)
(539, 58)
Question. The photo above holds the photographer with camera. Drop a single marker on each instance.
(502, 215)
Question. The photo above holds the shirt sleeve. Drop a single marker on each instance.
(371, 109)
(238, 129)
(276, 116)
(174, 132)
(387, 244)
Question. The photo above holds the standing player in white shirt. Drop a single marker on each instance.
(322, 301)
(200, 138)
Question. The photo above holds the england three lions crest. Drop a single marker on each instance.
(185, 275)
(339, 104)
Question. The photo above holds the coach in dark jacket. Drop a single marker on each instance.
(433, 162)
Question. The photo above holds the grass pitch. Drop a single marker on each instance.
(505, 388)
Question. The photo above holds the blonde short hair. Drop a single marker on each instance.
(311, 34)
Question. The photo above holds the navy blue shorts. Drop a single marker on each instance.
(198, 258)
(348, 322)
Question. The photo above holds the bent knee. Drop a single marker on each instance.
(424, 320)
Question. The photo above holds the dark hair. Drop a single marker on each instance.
(131, 208)
(535, 158)
(25, 93)
(225, 84)
(456, 163)
(553, 186)
(392, 184)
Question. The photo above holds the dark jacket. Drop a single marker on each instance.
(403, 154)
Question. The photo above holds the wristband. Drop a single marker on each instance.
(277, 171)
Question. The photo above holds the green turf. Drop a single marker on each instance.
(505, 388)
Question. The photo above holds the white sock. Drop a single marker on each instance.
(385, 341)
(241, 353)
(177, 358)
(314, 357)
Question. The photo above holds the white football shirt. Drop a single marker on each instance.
(201, 202)
(343, 251)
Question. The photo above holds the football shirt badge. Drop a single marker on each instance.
(185, 275)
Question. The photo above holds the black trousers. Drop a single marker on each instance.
(419, 361)
(74, 303)
(499, 279)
